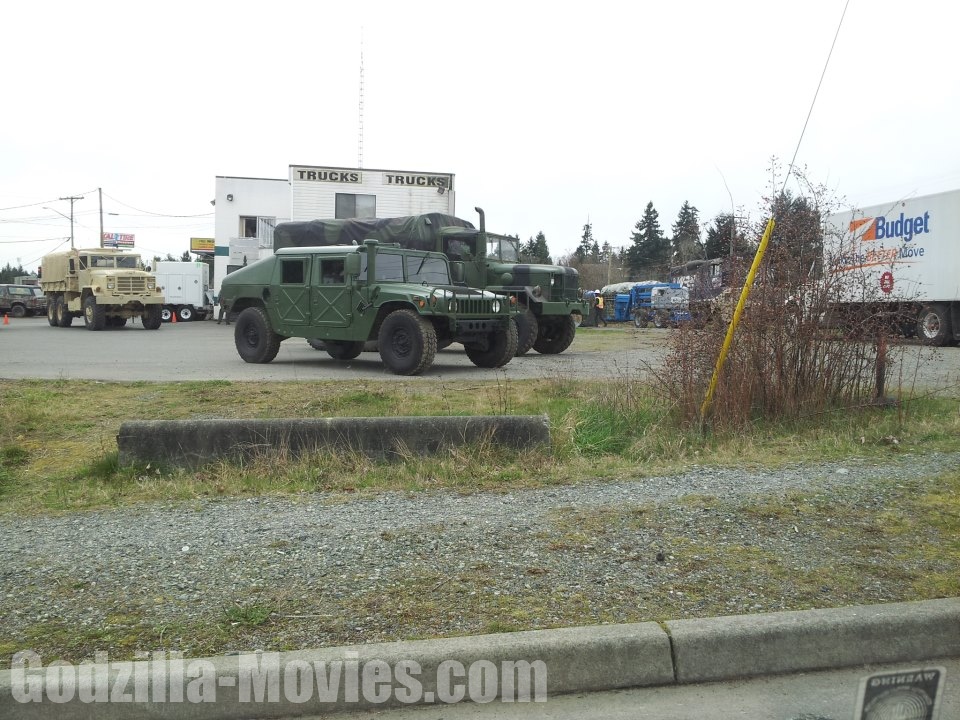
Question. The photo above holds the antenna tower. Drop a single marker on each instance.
(360, 133)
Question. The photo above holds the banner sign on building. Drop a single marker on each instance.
(202, 246)
(117, 240)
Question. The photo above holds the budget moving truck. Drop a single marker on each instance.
(900, 260)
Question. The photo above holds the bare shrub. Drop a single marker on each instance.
(785, 362)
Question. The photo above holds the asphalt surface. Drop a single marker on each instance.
(203, 350)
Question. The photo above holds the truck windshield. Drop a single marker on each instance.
(502, 248)
(130, 262)
(427, 270)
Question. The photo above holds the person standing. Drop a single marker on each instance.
(598, 309)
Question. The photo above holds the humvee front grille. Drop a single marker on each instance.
(475, 306)
(131, 285)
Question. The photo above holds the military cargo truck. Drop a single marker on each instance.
(104, 286)
(346, 296)
(549, 299)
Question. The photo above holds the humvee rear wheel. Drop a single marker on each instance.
(407, 342)
(527, 330)
(344, 349)
(556, 334)
(500, 348)
(94, 315)
(255, 340)
(151, 317)
(317, 344)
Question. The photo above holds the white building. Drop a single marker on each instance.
(247, 209)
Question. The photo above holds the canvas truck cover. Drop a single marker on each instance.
(416, 232)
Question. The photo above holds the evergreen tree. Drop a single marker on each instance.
(798, 232)
(686, 243)
(535, 250)
(595, 252)
(649, 255)
(586, 243)
(718, 237)
(185, 257)
(9, 273)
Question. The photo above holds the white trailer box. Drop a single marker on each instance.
(904, 255)
(186, 290)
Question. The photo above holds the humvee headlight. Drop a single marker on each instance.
(553, 280)
(453, 305)
(537, 291)
(495, 306)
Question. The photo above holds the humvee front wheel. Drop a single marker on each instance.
(407, 342)
(500, 348)
(255, 340)
(94, 315)
(344, 349)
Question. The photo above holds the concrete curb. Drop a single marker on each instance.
(191, 443)
(575, 660)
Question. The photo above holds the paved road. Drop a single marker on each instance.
(30, 348)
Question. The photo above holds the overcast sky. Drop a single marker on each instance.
(551, 115)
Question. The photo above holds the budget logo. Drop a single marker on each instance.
(903, 227)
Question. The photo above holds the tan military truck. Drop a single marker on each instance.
(106, 287)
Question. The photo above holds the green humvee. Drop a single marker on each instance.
(345, 296)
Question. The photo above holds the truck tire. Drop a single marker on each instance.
(660, 320)
(556, 334)
(317, 344)
(18, 310)
(407, 342)
(185, 313)
(116, 321)
(640, 320)
(255, 340)
(500, 348)
(94, 315)
(52, 312)
(151, 317)
(64, 317)
(933, 325)
(166, 314)
(527, 330)
(344, 349)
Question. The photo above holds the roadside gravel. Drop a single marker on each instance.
(334, 569)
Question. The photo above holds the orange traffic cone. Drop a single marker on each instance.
(6, 320)
(173, 316)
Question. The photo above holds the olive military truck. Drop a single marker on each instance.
(549, 299)
(105, 286)
(346, 296)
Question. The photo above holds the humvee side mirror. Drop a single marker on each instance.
(456, 272)
(352, 264)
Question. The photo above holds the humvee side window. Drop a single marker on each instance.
(291, 272)
(389, 267)
(331, 272)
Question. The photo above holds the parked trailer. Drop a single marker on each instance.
(898, 260)
(185, 287)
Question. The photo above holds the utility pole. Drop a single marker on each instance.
(72, 200)
(100, 194)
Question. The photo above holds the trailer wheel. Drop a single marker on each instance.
(94, 315)
(185, 313)
(556, 334)
(527, 330)
(407, 342)
(933, 325)
(255, 340)
(166, 314)
(344, 349)
(500, 348)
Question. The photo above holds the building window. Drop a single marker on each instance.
(356, 206)
(248, 226)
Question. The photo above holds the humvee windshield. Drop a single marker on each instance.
(502, 248)
(419, 269)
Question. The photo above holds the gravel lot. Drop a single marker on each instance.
(335, 569)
